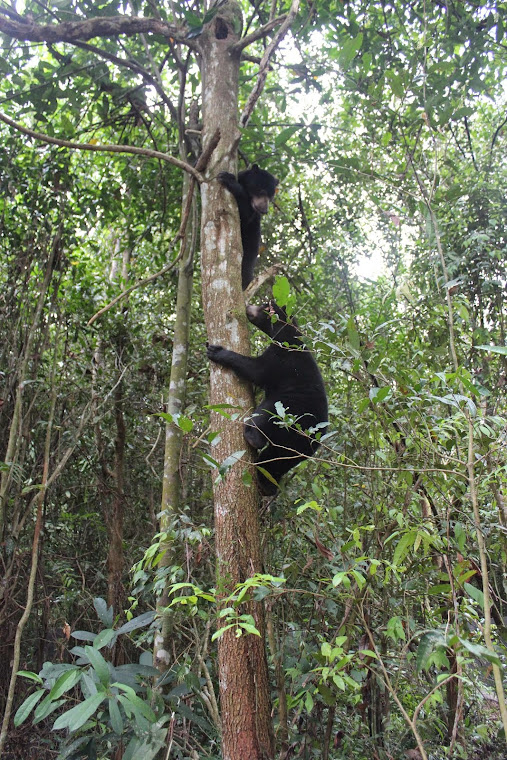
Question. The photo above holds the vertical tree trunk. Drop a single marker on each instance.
(112, 483)
(243, 676)
(115, 558)
(171, 485)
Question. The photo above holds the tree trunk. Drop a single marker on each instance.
(171, 484)
(115, 559)
(243, 676)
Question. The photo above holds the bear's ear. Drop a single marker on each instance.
(255, 167)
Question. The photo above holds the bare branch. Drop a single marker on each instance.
(72, 31)
(131, 149)
(258, 34)
(136, 285)
(201, 164)
(264, 65)
(268, 274)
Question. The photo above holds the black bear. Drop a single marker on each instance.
(288, 373)
(253, 190)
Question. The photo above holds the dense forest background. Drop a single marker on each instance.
(384, 557)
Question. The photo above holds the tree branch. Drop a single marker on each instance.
(201, 164)
(268, 274)
(72, 31)
(131, 149)
(258, 34)
(264, 65)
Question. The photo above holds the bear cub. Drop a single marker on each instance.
(287, 372)
(253, 190)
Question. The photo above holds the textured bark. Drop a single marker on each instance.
(115, 559)
(171, 484)
(243, 677)
(72, 31)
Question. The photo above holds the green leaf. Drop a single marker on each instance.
(220, 632)
(137, 704)
(209, 459)
(359, 578)
(184, 423)
(282, 138)
(99, 665)
(65, 682)
(230, 461)
(115, 716)
(104, 638)
(480, 651)
(28, 674)
(267, 475)
(250, 629)
(494, 349)
(395, 629)
(281, 291)
(353, 335)
(83, 636)
(368, 653)
(429, 641)
(138, 622)
(403, 546)
(104, 612)
(349, 50)
(77, 716)
(476, 594)
(379, 394)
(460, 536)
(46, 707)
(27, 706)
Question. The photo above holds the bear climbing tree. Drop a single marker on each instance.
(289, 375)
(253, 190)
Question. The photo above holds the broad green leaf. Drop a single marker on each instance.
(494, 349)
(250, 629)
(184, 423)
(77, 716)
(104, 638)
(138, 622)
(65, 682)
(27, 706)
(104, 612)
(403, 547)
(476, 594)
(138, 704)
(99, 664)
(231, 460)
(28, 674)
(482, 652)
(282, 138)
(353, 335)
(115, 716)
(281, 290)
(349, 50)
(429, 641)
(394, 629)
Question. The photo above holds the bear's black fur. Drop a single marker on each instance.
(287, 372)
(253, 190)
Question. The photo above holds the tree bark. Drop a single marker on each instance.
(171, 484)
(243, 676)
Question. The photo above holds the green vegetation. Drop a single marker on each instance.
(384, 557)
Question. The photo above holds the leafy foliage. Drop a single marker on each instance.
(386, 125)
